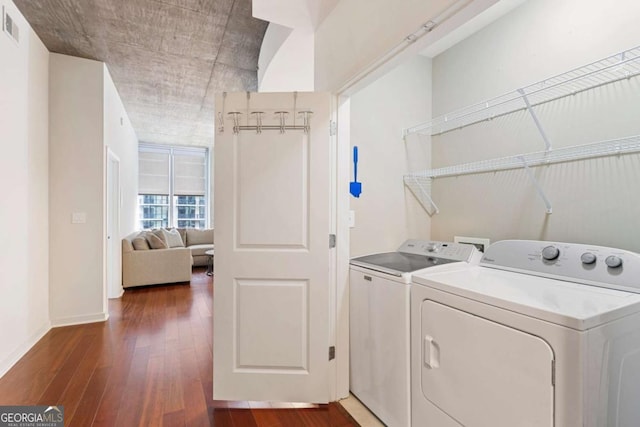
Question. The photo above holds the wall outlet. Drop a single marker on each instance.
(481, 243)
(352, 219)
(78, 218)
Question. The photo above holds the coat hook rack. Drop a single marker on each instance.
(282, 118)
(259, 118)
(221, 113)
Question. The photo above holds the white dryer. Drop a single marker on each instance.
(379, 321)
(539, 334)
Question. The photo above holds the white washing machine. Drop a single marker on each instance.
(379, 322)
(539, 334)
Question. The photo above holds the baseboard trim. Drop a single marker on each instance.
(79, 320)
(18, 353)
(119, 294)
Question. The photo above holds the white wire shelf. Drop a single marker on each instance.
(623, 65)
(420, 182)
(577, 152)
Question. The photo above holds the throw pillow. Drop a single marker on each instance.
(159, 232)
(155, 242)
(183, 235)
(140, 243)
(172, 238)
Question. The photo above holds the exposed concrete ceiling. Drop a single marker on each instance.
(168, 58)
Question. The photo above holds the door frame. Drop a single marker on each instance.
(339, 294)
(112, 265)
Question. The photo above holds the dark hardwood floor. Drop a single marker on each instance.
(150, 364)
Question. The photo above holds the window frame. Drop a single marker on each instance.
(172, 207)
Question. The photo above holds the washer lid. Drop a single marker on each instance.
(564, 303)
(397, 263)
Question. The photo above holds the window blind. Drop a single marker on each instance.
(154, 172)
(189, 173)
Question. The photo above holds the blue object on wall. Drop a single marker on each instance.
(355, 187)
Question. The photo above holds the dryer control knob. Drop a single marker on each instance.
(613, 261)
(432, 247)
(588, 258)
(550, 253)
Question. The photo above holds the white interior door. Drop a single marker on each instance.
(113, 255)
(482, 373)
(273, 217)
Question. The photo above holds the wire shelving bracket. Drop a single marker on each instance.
(420, 186)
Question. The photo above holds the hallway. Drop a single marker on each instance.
(150, 364)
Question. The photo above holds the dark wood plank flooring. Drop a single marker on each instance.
(150, 364)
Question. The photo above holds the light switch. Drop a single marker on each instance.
(78, 218)
(352, 219)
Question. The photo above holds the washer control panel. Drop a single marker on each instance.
(574, 262)
(444, 250)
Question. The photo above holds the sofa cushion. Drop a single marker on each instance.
(183, 235)
(172, 238)
(140, 242)
(159, 232)
(196, 236)
(199, 250)
(155, 242)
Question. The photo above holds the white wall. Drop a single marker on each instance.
(286, 60)
(594, 201)
(386, 213)
(271, 42)
(76, 111)
(293, 13)
(121, 138)
(357, 33)
(24, 284)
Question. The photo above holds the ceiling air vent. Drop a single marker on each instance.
(9, 26)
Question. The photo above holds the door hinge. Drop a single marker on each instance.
(332, 128)
(332, 352)
(553, 373)
(332, 241)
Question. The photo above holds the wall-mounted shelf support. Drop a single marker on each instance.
(547, 143)
(536, 184)
(420, 186)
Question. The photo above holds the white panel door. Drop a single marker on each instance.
(272, 220)
(482, 373)
(113, 267)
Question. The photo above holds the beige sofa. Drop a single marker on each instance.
(157, 266)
